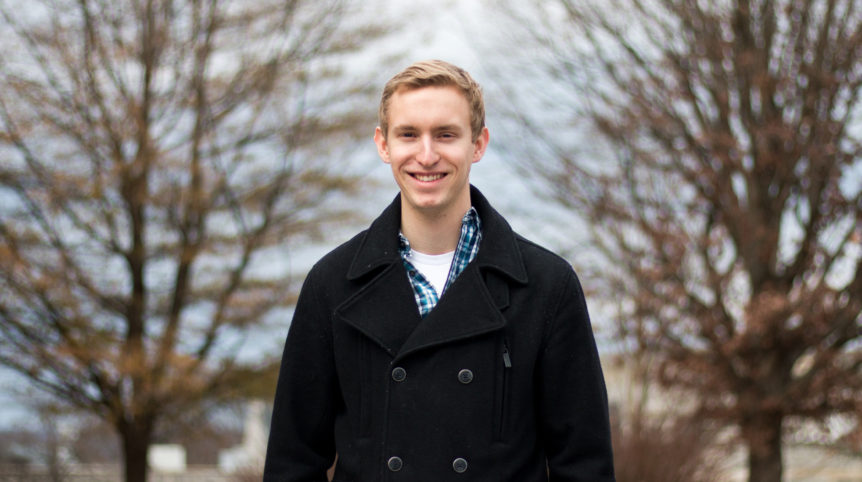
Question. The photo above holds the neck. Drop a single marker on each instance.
(432, 233)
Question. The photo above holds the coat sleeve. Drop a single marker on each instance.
(301, 439)
(573, 404)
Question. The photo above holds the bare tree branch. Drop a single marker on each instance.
(160, 156)
(724, 201)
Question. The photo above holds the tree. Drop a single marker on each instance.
(160, 161)
(720, 185)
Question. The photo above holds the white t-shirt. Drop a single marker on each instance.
(434, 267)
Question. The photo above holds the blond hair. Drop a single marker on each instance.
(435, 73)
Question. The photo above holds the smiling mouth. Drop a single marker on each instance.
(428, 177)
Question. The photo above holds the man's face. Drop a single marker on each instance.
(430, 149)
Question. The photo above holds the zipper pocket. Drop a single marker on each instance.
(503, 394)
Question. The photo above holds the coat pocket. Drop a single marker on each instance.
(501, 405)
(366, 386)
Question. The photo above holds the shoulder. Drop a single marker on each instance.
(541, 261)
(327, 283)
(549, 276)
(336, 263)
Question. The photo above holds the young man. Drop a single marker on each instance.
(439, 345)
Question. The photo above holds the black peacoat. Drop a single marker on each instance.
(500, 382)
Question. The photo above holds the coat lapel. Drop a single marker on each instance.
(384, 310)
(465, 310)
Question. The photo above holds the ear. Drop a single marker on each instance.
(481, 144)
(382, 146)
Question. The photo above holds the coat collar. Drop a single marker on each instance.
(498, 251)
(384, 308)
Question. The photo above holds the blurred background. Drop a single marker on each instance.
(170, 169)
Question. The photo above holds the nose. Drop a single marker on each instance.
(427, 155)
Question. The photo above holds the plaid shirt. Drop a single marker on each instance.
(468, 246)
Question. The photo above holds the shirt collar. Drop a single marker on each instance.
(379, 245)
(470, 221)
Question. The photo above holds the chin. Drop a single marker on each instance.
(425, 204)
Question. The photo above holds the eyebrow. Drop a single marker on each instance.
(452, 127)
(408, 128)
(402, 128)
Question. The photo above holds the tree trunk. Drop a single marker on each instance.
(136, 438)
(762, 434)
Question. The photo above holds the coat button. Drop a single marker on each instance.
(459, 465)
(465, 376)
(395, 464)
(399, 374)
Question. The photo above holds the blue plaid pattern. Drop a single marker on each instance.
(468, 246)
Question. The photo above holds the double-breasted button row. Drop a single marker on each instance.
(399, 374)
(395, 464)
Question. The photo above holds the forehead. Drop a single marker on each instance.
(429, 104)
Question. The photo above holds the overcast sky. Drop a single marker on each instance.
(431, 29)
(441, 29)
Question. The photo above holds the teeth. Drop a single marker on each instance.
(428, 177)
